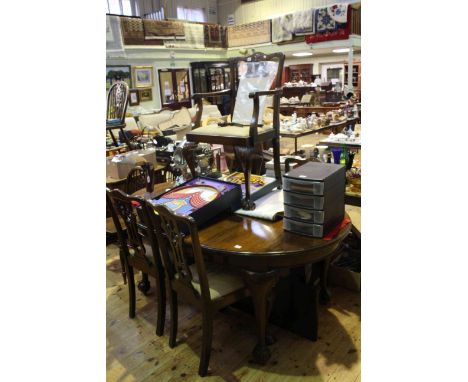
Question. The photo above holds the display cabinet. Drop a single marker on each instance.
(295, 73)
(356, 78)
(174, 88)
(212, 76)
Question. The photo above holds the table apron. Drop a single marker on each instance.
(264, 263)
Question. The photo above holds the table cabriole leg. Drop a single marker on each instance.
(260, 286)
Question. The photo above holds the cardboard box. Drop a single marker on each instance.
(119, 166)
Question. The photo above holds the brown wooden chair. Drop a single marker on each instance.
(138, 252)
(257, 73)
(136, 180)
(111, 228)
(207, 287)
(117, 102)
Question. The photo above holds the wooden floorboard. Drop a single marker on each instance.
(135, 353)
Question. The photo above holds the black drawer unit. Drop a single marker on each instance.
(314, 198)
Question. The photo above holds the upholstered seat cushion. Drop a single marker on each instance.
(152, 121)
(221, 281)
(130, 124)
(228, 131)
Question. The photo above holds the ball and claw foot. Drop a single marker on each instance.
(247, 204)
(270, 339)
(144, 287)
(261, 354)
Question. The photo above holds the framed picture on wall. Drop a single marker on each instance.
(146, 94)
(143, 76)
(114, 72)
(134, 97)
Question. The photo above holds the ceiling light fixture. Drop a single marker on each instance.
(302, 54)
(341, 50)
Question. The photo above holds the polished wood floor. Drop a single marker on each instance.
(135, 353)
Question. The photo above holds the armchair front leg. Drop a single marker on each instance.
(199, 113)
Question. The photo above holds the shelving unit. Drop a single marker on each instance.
(210, 77)
(295, 73)
(356, 78)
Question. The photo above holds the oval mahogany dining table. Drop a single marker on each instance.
(260, 249)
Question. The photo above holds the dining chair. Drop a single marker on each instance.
(206, 286)
(138, 252)
(111, 227)
(117, 102)
(246, 131)
(136, 179)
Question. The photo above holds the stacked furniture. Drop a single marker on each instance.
(314, 198)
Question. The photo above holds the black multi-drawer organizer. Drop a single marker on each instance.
(314, 198)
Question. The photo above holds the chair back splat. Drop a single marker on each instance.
(170, 230)
(255, 73)
(136, 179)
(117, 102)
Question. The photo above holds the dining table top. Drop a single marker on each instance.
(248, 241)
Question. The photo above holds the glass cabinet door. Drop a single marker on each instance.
(174, 86)
(166, 86)
(182, 85)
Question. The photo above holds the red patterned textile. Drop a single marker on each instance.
(340, 34)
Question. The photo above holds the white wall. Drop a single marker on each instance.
(210, 7)
(265, 9)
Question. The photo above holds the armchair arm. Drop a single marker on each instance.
(198, 97)
(208, 94)
(266, 92)
(256, 109)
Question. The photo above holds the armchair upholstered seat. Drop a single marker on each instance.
(256, 75)
(228, 131)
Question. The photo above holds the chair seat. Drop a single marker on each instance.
(228, 131)
(221, 281)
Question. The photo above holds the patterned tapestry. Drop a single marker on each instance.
(161, 30)
(194, 38)
(331, 18)
(329, 24)
(258, 32)
(304, 22)
(215, 36)
(282, 28)
(132, 31)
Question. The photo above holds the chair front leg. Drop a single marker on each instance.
(244, 154)
(276, 162)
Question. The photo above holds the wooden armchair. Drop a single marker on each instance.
(138, 252)
(207, 287)
(257, 73)
(117, 102)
